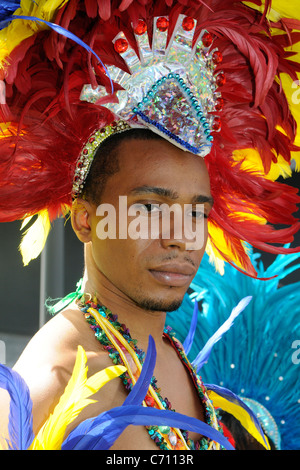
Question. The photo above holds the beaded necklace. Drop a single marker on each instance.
(123, 349)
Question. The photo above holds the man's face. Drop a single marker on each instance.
(154, 271)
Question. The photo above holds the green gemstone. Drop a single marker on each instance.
(164, 429)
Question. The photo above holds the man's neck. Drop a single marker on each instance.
(140, 322)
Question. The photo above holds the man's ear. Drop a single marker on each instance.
(81, 219)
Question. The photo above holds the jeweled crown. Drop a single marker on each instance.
(172, 87)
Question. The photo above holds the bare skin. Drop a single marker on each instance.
(124, 274)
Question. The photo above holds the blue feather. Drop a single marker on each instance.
(138, 392)
(204, 354)
(107, 427)
(6, 8)
(187, 344)
(20, 414)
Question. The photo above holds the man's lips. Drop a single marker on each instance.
(177, 275)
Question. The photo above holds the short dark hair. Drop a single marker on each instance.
(106, 163)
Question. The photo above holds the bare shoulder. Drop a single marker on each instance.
(48, 360)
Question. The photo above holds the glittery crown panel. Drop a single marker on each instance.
(171, 87)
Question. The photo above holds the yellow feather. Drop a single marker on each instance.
(240, 414)
(72, 402)
(296, 158)
(19, 30)
(251, 161)
(292, 91)
(35, 237)
(217, 238)
(215, 258)
(280, 9)
(3, 447)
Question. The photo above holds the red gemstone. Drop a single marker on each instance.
(141, 28)
(219, 104)
(217, 57)
(149, 401)
(121, 45)
(221, 79)
(162, 23)
(85, 152)
(207, 39)
(188, 23)
(91, 139)
(216, 124)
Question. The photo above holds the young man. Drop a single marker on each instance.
(138, 280)
(69, 139)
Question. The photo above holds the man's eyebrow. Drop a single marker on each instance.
(155, 190)
(169, 193)
(201, 199)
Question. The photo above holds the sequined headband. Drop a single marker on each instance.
(89, 150)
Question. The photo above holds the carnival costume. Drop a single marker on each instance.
(215, 78)
(259, 358)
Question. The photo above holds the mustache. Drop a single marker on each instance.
(175, 257)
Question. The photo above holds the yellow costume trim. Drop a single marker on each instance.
(240, 414)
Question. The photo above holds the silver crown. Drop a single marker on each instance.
(173, 88)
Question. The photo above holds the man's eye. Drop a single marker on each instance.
(198, 215)
(147, 208)
(152, 207)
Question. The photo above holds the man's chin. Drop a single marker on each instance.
(155, 305)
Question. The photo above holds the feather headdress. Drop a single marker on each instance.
(44, 68)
